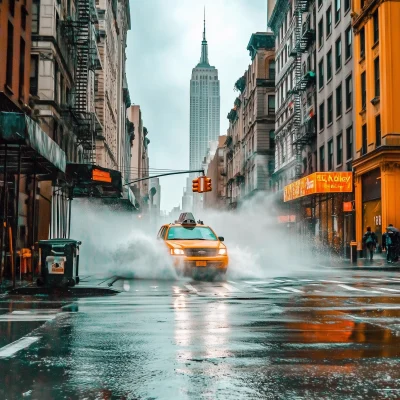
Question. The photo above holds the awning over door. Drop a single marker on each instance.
(39, 153)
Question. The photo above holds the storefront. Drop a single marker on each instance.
(319, 201)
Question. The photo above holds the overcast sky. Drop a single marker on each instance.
(164, 45)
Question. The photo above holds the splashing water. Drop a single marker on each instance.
(116, 242)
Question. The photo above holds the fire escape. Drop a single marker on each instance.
(304, 131)
(88, 61)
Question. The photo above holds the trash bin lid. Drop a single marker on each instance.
(59, 242)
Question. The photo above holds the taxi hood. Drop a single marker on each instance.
(194, 244)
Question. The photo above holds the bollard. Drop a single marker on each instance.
(353, 252)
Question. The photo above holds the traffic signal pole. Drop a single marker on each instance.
(167, 174)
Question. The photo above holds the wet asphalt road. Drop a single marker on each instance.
(333, 336)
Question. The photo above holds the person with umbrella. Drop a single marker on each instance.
(391, 241)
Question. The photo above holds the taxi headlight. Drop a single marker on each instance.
(222, 252)
(177, 252)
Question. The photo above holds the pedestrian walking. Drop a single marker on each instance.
(392, 243)
(370, 240)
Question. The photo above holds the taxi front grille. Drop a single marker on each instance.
(201, 252)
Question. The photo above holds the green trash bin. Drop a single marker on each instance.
(60, 262)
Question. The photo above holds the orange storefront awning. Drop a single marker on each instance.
(319, 183)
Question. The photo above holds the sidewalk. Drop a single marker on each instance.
(379, 263)
(89, 286)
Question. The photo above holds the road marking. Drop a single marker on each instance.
(357, 290)
(231, 288)
(231, 281)
(290, 289)
(306, 280)
(191, 288)
(279, 290)
(324, 280)
(28, 316)
(257, 290)
(389, 290)
(258, 282)
(279, 280)
(20, 344)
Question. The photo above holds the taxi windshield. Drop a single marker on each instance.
(190, 233)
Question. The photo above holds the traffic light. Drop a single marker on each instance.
(207, 185)
(196, 185)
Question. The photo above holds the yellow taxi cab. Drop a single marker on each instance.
(195, 247)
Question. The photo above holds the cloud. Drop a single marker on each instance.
(163, 46)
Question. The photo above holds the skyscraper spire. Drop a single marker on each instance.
(204, 45)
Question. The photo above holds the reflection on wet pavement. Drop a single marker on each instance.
(190, 340)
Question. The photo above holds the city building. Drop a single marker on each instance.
(114, 23)
(187, 197)
(250, 143)
(294, 25)
(204, 107)
(155, 196)
(139, 166)
(376, 160)
(29, 158)
(335, 146)
(215, 170)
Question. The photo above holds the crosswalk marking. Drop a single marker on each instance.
(390, 290)
(279, 290)
(290, 289)
(20, 344)
(231, 288)
(29, 316)
(351, 288)
(191, 288)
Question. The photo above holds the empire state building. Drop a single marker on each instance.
(204, 107)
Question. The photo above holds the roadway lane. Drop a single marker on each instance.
(298, 337)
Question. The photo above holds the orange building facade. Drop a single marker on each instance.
(376, 163)
(15, 48)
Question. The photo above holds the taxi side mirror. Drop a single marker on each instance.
(221, 238)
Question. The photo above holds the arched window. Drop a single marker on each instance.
(271, 69)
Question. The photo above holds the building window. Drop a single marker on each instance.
(364, 140)
(319, 3)
(271, 104)
(330, 109)
(339, 149)
(329, 65)
(34, 74)
(321, 74)
(321, 116)
(337, 11)
(321, 32)
(271, 70)
(377, 77)
(378, 133)
(349, 92)
(23, 17)
(11, 7)
(349, 143)
(363, 91)
(349, 42)
(10, 54)
(22, 68)
(338, 47)
(347, 5)
(330, 155)
(376, 26)
(35, 16)
(329, 21)
(322, 158)
(271, 139)
(339, 101)
(362, 43)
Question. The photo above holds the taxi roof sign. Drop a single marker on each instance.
(186, 218)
